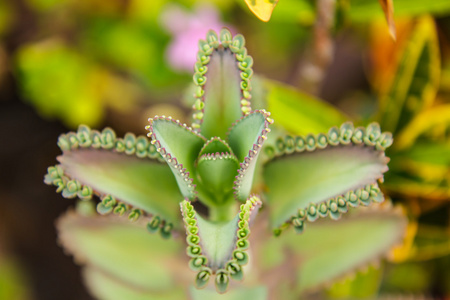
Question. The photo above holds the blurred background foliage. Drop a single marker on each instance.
(318, 63)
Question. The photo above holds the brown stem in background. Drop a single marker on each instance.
(318, 57)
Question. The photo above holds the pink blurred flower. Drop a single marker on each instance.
(187, 28)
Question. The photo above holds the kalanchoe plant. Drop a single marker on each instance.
(220, 172)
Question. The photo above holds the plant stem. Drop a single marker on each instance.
(224, 212)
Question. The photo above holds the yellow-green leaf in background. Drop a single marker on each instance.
(72, 94)
(300, 113)
(367, 10)
(421, 171)
(363, 285)
(416, 81)
(415, 188)
(62, 83)
(262, 8)
(13, 281)
(435, 119)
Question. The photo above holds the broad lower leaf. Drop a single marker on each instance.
(123, 250)
(124, 170)
(317, 176)
(179, 145)
(246, 138)
(300, 113)
(416, 81)
(262, 8)
(223, 73)
(105, 287)
(328, 250)
(237, 293)
(218, 248)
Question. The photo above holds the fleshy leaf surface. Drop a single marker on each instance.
(105, 287)
(215, 145)
(329, 250)
(222, 76)
(323, 174)
(179, 145)
(217, 173)
(246, 138)
(122, 250)
(218, 248)
(143, 183)
(237, 293)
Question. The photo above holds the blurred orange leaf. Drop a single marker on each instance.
(262, 8)
(388, 8)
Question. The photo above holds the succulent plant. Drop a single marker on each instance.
(220, 172)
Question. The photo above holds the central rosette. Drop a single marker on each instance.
(217, 155)
(214, 160)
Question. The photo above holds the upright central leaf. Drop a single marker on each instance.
(222, 94)
(222, 75)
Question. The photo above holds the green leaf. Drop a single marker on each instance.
(364, 285)
(222, 77)
(218, 240)
(425, 164)
(222, 94)
(245, 133)
(106, 287)
(217, 173)
(38, 67)
(123, 250)
(143, 183)
(218, 248)
(316, 176)
(364, 11)
(328, 249)
(246, 138)
(300, 113)
(416, 188)
(179, 146)
(416, 80)
(215, 145)
(13, 283)
(436, 118)
(434, 154)
(237, 293)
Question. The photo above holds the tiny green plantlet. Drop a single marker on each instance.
(227, 164)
